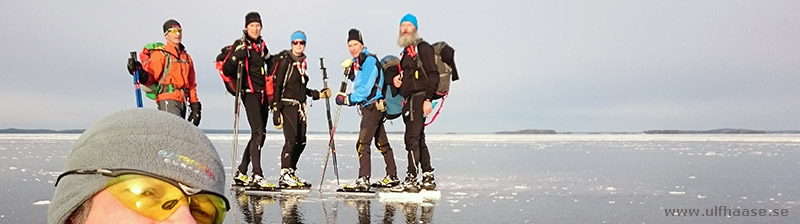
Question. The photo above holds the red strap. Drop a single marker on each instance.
(437, 111)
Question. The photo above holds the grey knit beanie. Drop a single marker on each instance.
(141, 139)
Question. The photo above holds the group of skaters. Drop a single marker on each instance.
(277, 83)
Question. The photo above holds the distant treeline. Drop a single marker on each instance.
(39, 131)
(714, 131)
(528, 132)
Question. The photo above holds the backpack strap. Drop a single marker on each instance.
(437, 111)
(164, 73)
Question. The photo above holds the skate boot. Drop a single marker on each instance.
(409, 184)
(362, 184)
(261, 184)
(287, 179)
(241, 179)
(388, 181)
(428, 182)
(303, 183)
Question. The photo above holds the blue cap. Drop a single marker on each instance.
(298, 35)
(410, 18)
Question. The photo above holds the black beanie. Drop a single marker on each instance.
(171, 23)
(251, 18)
(354, 34)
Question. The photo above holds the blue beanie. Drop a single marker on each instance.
(410, 18)
(298, 35)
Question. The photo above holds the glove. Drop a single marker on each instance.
(277, 120)
(239, 52)
(133, 65)
(342, 99)
(347, 63)
(194, 117)
(325, 93)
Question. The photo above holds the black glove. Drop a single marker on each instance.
(133, 65)
(239, 52)
(194, 117)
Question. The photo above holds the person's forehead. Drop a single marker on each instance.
(353, 43)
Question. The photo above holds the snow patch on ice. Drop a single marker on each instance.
(456, 210)
(44, 202)
(692, 177)
(701, 196)
(611, 188)
(677, 192)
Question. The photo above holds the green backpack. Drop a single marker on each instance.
(152, 90)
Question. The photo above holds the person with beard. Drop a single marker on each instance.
(418, 80)
(366, 76)
(291, 79)
(253, 51)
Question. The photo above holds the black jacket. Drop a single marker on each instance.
(254, 77)
(295, 87)
(427, 80)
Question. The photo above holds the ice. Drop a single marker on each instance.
(677, 192)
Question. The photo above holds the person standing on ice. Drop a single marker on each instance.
(255, 87)
(367, 78)
(418, 91)
(291, 91)
(173, 70)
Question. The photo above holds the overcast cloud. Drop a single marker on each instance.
(624, 65)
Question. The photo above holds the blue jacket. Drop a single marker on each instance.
(367, 76)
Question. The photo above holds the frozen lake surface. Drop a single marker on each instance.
(490, 179)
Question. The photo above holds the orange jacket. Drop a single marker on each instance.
(181, 74)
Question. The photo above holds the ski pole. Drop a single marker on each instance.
(136, 85)
(331, 146)
(236, 108)
(330, 124)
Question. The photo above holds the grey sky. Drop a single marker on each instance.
(563, 65)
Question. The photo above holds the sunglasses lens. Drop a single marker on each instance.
(207, 208)
(175, 30)
(158, 199)
(299, 42)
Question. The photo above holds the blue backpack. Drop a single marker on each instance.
(393, 99)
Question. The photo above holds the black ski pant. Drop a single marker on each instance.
(173, 107)
(257, 110)
(372, 127)
(294, 131)
(414, 137)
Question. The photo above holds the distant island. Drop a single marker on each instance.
(528, 132)
(713, 131)
(39, 131)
